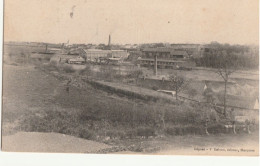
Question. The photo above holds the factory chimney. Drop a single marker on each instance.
(109, 41)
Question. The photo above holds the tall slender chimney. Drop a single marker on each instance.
(109, 40)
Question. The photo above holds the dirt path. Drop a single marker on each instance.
(49, 142)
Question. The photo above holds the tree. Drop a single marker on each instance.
(205, 115)
(225, 67)
(159, 114)
(178, 83)
(136, 74)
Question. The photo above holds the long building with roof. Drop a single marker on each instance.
(165, 57)
(98, 55)
(94, 55)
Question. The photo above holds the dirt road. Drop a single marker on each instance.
(49, 142)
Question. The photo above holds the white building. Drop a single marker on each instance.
(93, 55)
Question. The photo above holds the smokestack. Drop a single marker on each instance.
(109, 40)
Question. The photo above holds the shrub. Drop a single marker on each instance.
(131, 133)
(155, 88)
(50, 67)
(193, 130)
(68, 69)
(178, 131)
(116, 134)
(184, 130)
(216, 128)
(86, 71)
(145, 131)
(170, 130)
(135, 74)
(85, 133)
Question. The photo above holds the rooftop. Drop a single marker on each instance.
(171, 50)
(159, 60)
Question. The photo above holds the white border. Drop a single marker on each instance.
(43, 159)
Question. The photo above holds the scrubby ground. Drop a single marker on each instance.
(46, 97)
(35, 101)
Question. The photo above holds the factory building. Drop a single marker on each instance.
(94, 55)
(164, 57)
(98, 55)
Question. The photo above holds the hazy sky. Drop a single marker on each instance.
(132, 21)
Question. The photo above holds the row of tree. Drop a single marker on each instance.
(235, 55)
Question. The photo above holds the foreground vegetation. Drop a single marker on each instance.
(78, 109)
(239, 56)
(116, 120)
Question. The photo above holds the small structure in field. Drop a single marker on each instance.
(77, 60)
(172, 93)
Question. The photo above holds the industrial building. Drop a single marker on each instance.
(94, 55)
(107, 54)
(165, 57)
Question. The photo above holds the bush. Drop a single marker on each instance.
(85, 133)
(155, 88)
(116, 134)
(131, 133)
(179, 130)
(86, 71)
(216, 128)
(198, 130)
(50, 67)
(135, 74)
(170, 130)
(68, 69)
(145, 132)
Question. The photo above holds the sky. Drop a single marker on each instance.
(132, 21)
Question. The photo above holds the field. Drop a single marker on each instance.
(35, 100)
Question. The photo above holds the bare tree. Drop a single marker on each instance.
(204, 116)
(136, 75)
(178, 83)
(226, 66)
(159, 112)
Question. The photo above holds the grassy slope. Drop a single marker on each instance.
(36, 101)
